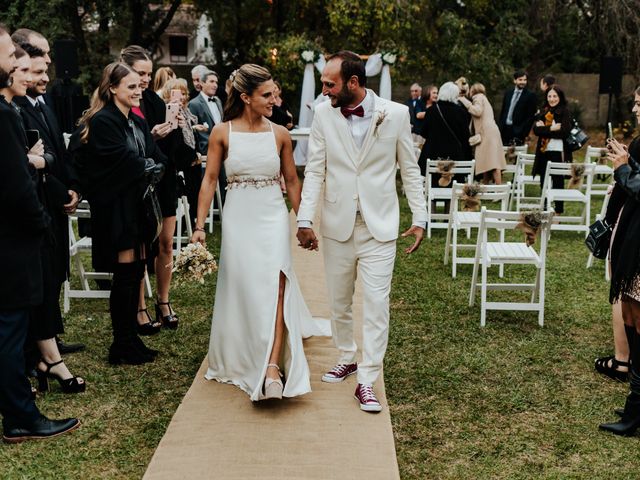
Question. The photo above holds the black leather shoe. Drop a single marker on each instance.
(41, 428)
(66, 348)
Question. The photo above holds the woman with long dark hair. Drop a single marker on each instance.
(117, 161)
(259, 314)
(153, 110)
(625, 268)
(552, 126)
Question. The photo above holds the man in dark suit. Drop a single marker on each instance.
(208, 108)
(416, 105)
(37, 115)
(518, 111)
(24, 223)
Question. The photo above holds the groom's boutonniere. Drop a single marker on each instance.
(381, 115)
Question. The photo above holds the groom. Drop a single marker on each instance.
(356, 142)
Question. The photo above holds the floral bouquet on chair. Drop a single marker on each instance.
(194, 262)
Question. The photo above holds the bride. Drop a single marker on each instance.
(259, 314)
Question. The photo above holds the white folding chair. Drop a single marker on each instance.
(521, 179)
(511, 167)
(215, 210)
(592, 155)
(575, 223)
(77, 246)
(438, 194)
(467, 220)
(508, 253)
(600, 216)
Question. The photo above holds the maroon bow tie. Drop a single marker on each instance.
(347, 112)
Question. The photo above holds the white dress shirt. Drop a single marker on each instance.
(213, 108)
(360, 125)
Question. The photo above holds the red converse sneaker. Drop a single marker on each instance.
(368, 401)
(340, 372)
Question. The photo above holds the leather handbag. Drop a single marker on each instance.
(475, 140)
(599, 238)
(577, 138)
(152, 215)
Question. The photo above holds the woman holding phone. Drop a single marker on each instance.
(154, 111)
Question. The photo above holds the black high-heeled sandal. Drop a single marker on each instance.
(148, 328)
(602, 366)
(169, 321)
(69, 385)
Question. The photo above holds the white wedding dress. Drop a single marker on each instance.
(255, 249)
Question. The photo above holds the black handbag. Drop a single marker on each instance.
(152, 215)
(577, 138)
(599, 238)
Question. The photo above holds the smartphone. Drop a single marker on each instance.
(609, 130)
(32, 138)
(172, 115)
(175, 96)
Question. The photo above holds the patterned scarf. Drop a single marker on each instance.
(187, 130)
(548, 121)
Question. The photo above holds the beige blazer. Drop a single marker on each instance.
(365, 177)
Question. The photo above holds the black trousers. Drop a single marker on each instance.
(557, 181)
(16, 403)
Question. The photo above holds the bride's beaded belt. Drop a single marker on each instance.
(244, 182)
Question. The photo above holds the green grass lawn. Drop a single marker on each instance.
(511, 400)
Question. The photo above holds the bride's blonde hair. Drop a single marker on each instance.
(244, 80)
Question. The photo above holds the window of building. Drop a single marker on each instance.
(178, 48)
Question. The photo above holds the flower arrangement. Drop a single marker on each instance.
(530, 223)
(389, 58)
(470, 198)
(381, 115)
(511, 156)
(603, 159)
(194, 262)
(445, 169)
(577, 175)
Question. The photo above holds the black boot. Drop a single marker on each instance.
(630, 420)
(140, 346)
(123, 304)
(631, 337)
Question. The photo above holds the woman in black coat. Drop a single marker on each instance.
(553, 126)
(118, 161)
(445, 129)
(625, 268)
(153, 110)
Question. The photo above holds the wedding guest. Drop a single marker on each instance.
(57, 199)
(162, 76)
(429, 98)
(281, 114)
(552, 127)
(117, 159)
(488, 152)
(21, 282)
(625, 268)
(153, 110)
(546, 82)
(416, 106)
(196, 73)
(445, 129)
(24, 36)
(518, 111)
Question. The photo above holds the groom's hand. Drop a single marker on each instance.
(307, 239)
(417, 232)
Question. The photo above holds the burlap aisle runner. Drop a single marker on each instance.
(218, 433)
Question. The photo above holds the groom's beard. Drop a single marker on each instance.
(344, 98)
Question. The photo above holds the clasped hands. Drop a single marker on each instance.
(554, 127)
(307, 238)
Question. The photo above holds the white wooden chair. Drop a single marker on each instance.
(437, 194)
(511, 167)
(591, 156)
(505, 253)
(77, 246)
(600, 216)
(215, 210)
(575, 223)
(467, 220)
(521, 179)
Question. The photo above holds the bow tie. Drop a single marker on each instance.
(347, 112)
(212, 99)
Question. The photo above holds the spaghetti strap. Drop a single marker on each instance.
(270, 125)
(230, 130)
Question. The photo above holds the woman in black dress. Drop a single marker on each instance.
(45, 322)
(153, 110)
(625, 268)
(118, 160)
(552, 127)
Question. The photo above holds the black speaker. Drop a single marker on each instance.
(610, 75)
(66, 58)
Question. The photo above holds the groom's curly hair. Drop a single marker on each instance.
(352, 65)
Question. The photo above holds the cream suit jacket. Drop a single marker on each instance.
(365, 176)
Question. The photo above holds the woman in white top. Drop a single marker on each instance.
(259, 314)
(553, 126)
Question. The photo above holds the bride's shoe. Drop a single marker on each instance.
(273, 388)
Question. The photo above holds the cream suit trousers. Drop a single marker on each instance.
(373, 261)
